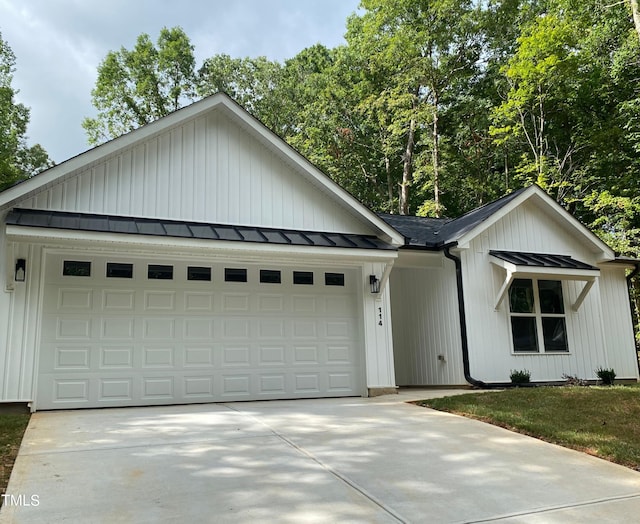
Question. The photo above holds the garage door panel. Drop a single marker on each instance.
(118, 300)
(74, 299)
(72, 358)
(118, 328)
(160, 301)
(125, 342)
(198, 356)
(116, 357)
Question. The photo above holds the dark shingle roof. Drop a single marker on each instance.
(519, 258)
(433, 233)
(181, 229)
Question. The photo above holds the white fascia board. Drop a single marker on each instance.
(319, 178)
(164, 244)
(82, 161)
(597, 245)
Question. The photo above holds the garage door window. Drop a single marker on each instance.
(303, 277)
(76, 268)
(235, 274)
(270, 276)
(199, 273)
(116, 270)
(158, 272)
(334, 279)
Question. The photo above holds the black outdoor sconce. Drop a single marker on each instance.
(21, 270)
(375, 284)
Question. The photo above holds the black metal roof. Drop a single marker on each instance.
(541, 260)
(181, 229)
(433, 233)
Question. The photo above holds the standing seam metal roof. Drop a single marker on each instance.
(180, 229)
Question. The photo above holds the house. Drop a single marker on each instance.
(202, 259)
(518, 284)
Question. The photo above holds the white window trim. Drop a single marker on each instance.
(538, 315)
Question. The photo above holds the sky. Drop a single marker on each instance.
(59, 45)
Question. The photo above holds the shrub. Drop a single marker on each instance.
(520, 376)
(607, 376)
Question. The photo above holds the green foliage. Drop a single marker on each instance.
(138, 86)
(607, 376)
(432, 107)
(18, 161)
(520, 376)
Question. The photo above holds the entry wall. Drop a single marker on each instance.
(426, 325)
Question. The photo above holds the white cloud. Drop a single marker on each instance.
(59, 45)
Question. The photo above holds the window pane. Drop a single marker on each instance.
(551, 296)
(524, 334)
(270, 276)
(555, 334)
(334, 279)
(235, 274)
(159, 272)
(303, 277)
(199, 273)
(75, 268)
(521, 296)
(116, 270)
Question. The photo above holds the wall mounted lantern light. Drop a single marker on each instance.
(375, 284)
(21, 270)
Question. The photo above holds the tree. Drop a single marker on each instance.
(415, 53)
(17, 160)
(138, 86)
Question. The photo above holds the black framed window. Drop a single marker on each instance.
(159, 272)
(334, 279)
(270, 276)
(199, 273)
(232, 274)
(303, 277)
(76, 268)
(118, 270)
(538, 321)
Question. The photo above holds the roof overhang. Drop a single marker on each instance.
(221, 102)
(534, 193)
(179, 245)
(545, 266)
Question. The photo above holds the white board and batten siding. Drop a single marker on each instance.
(209, 169)
(491, 359)
(617, 323)
(426, 327)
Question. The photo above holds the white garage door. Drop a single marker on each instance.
(130, 332)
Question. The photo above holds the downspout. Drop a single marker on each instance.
(632, 308)
(463, 325)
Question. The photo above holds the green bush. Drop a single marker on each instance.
(520, 376)
(607, 376)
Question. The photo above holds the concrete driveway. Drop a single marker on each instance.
(333, 460)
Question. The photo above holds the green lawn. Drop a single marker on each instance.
(602, 421)
(12, 427)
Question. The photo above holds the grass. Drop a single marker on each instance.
(12, 428)
(601, 421)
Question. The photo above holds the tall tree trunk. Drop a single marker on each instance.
(636, 15)
(436, 156)
(387, 168)
(403, 205)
